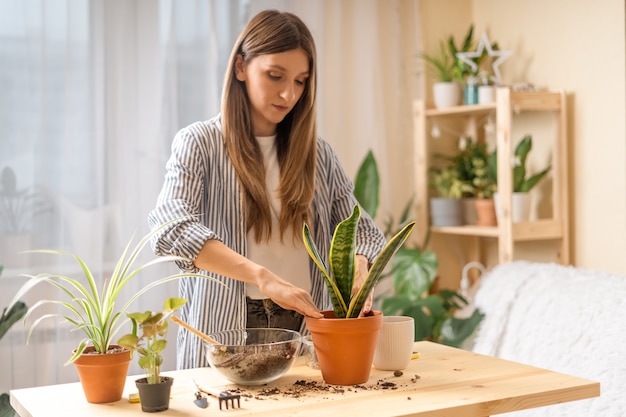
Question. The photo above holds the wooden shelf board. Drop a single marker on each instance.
(531, 230)
(468, 230)
(461, 110)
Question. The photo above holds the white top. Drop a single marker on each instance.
(287, 259)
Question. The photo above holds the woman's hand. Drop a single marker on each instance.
(362, 269)
(218, 258)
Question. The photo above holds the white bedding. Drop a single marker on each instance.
(566, 319)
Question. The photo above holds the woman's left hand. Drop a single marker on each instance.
(362, 268)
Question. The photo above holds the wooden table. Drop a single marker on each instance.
(444, 381)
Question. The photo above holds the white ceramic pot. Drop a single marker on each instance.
(446, 94)
(520, 206)
(486, 94)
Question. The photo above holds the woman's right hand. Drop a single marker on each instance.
(220, 259)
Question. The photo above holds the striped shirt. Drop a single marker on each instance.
(201, 181)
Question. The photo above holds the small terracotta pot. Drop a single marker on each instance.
(103, 375)
(486, 212)
(154, 397)
(345, 347)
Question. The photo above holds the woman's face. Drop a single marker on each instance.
(275, 83)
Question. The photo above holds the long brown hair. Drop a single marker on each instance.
(271, 32)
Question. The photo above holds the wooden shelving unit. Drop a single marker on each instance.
(507, 232)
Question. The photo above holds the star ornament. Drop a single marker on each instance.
(500, 56)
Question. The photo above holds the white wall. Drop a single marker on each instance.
(578, 46)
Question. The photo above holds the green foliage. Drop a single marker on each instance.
(92, 310)
(413, 273)
(153, 325)
(476, 167)
(447, 182)
(367, 184)
(5, 406)
(447, 67)
(9, 317)
(521, 183)
(340, 276)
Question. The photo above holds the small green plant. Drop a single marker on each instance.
(522, 183)
(477, 167)
(339, 277)
(446, 66)
(91, 309)
(448, 183)
(152, 341)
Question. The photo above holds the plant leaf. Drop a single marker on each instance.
(367, 184)
(343, 252)
(356, 305)
(339, 305)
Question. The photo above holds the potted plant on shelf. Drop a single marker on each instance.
(154, 389)
(446, 209)
(102, 365)
(344, 342)
(482, 169)
(449, 70)
(522, 184)
(469, 163)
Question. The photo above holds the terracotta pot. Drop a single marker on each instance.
(154, 397)
(345, 347)
(103, 376)
(486, 212)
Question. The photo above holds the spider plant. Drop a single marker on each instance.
(91, 309)
(339, 277)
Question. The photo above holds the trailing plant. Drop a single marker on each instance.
(92, 309)
(413, 273)
(9, 318)
(152, 341)
(339, 277)
(522, 183)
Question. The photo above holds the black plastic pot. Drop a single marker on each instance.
(154, 397)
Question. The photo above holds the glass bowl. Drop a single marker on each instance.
(253, 356)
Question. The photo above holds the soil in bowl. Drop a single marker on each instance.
(254, 359)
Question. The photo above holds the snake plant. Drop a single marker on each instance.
(339, 277)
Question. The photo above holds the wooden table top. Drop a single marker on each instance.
(444, 381)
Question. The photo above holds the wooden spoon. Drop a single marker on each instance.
(195, 331)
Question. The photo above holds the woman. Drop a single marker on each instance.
(249, 178)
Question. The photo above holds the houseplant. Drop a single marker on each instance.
(482, 170)
(8, 318)
(95, 312)
(154, 389)
(522, 183)
(472, 163)
(344, 342)
(449, 70)
(413, 273)
(446, 209)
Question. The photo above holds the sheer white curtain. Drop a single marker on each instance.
(92, 93)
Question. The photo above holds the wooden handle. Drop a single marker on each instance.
(195, 331)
